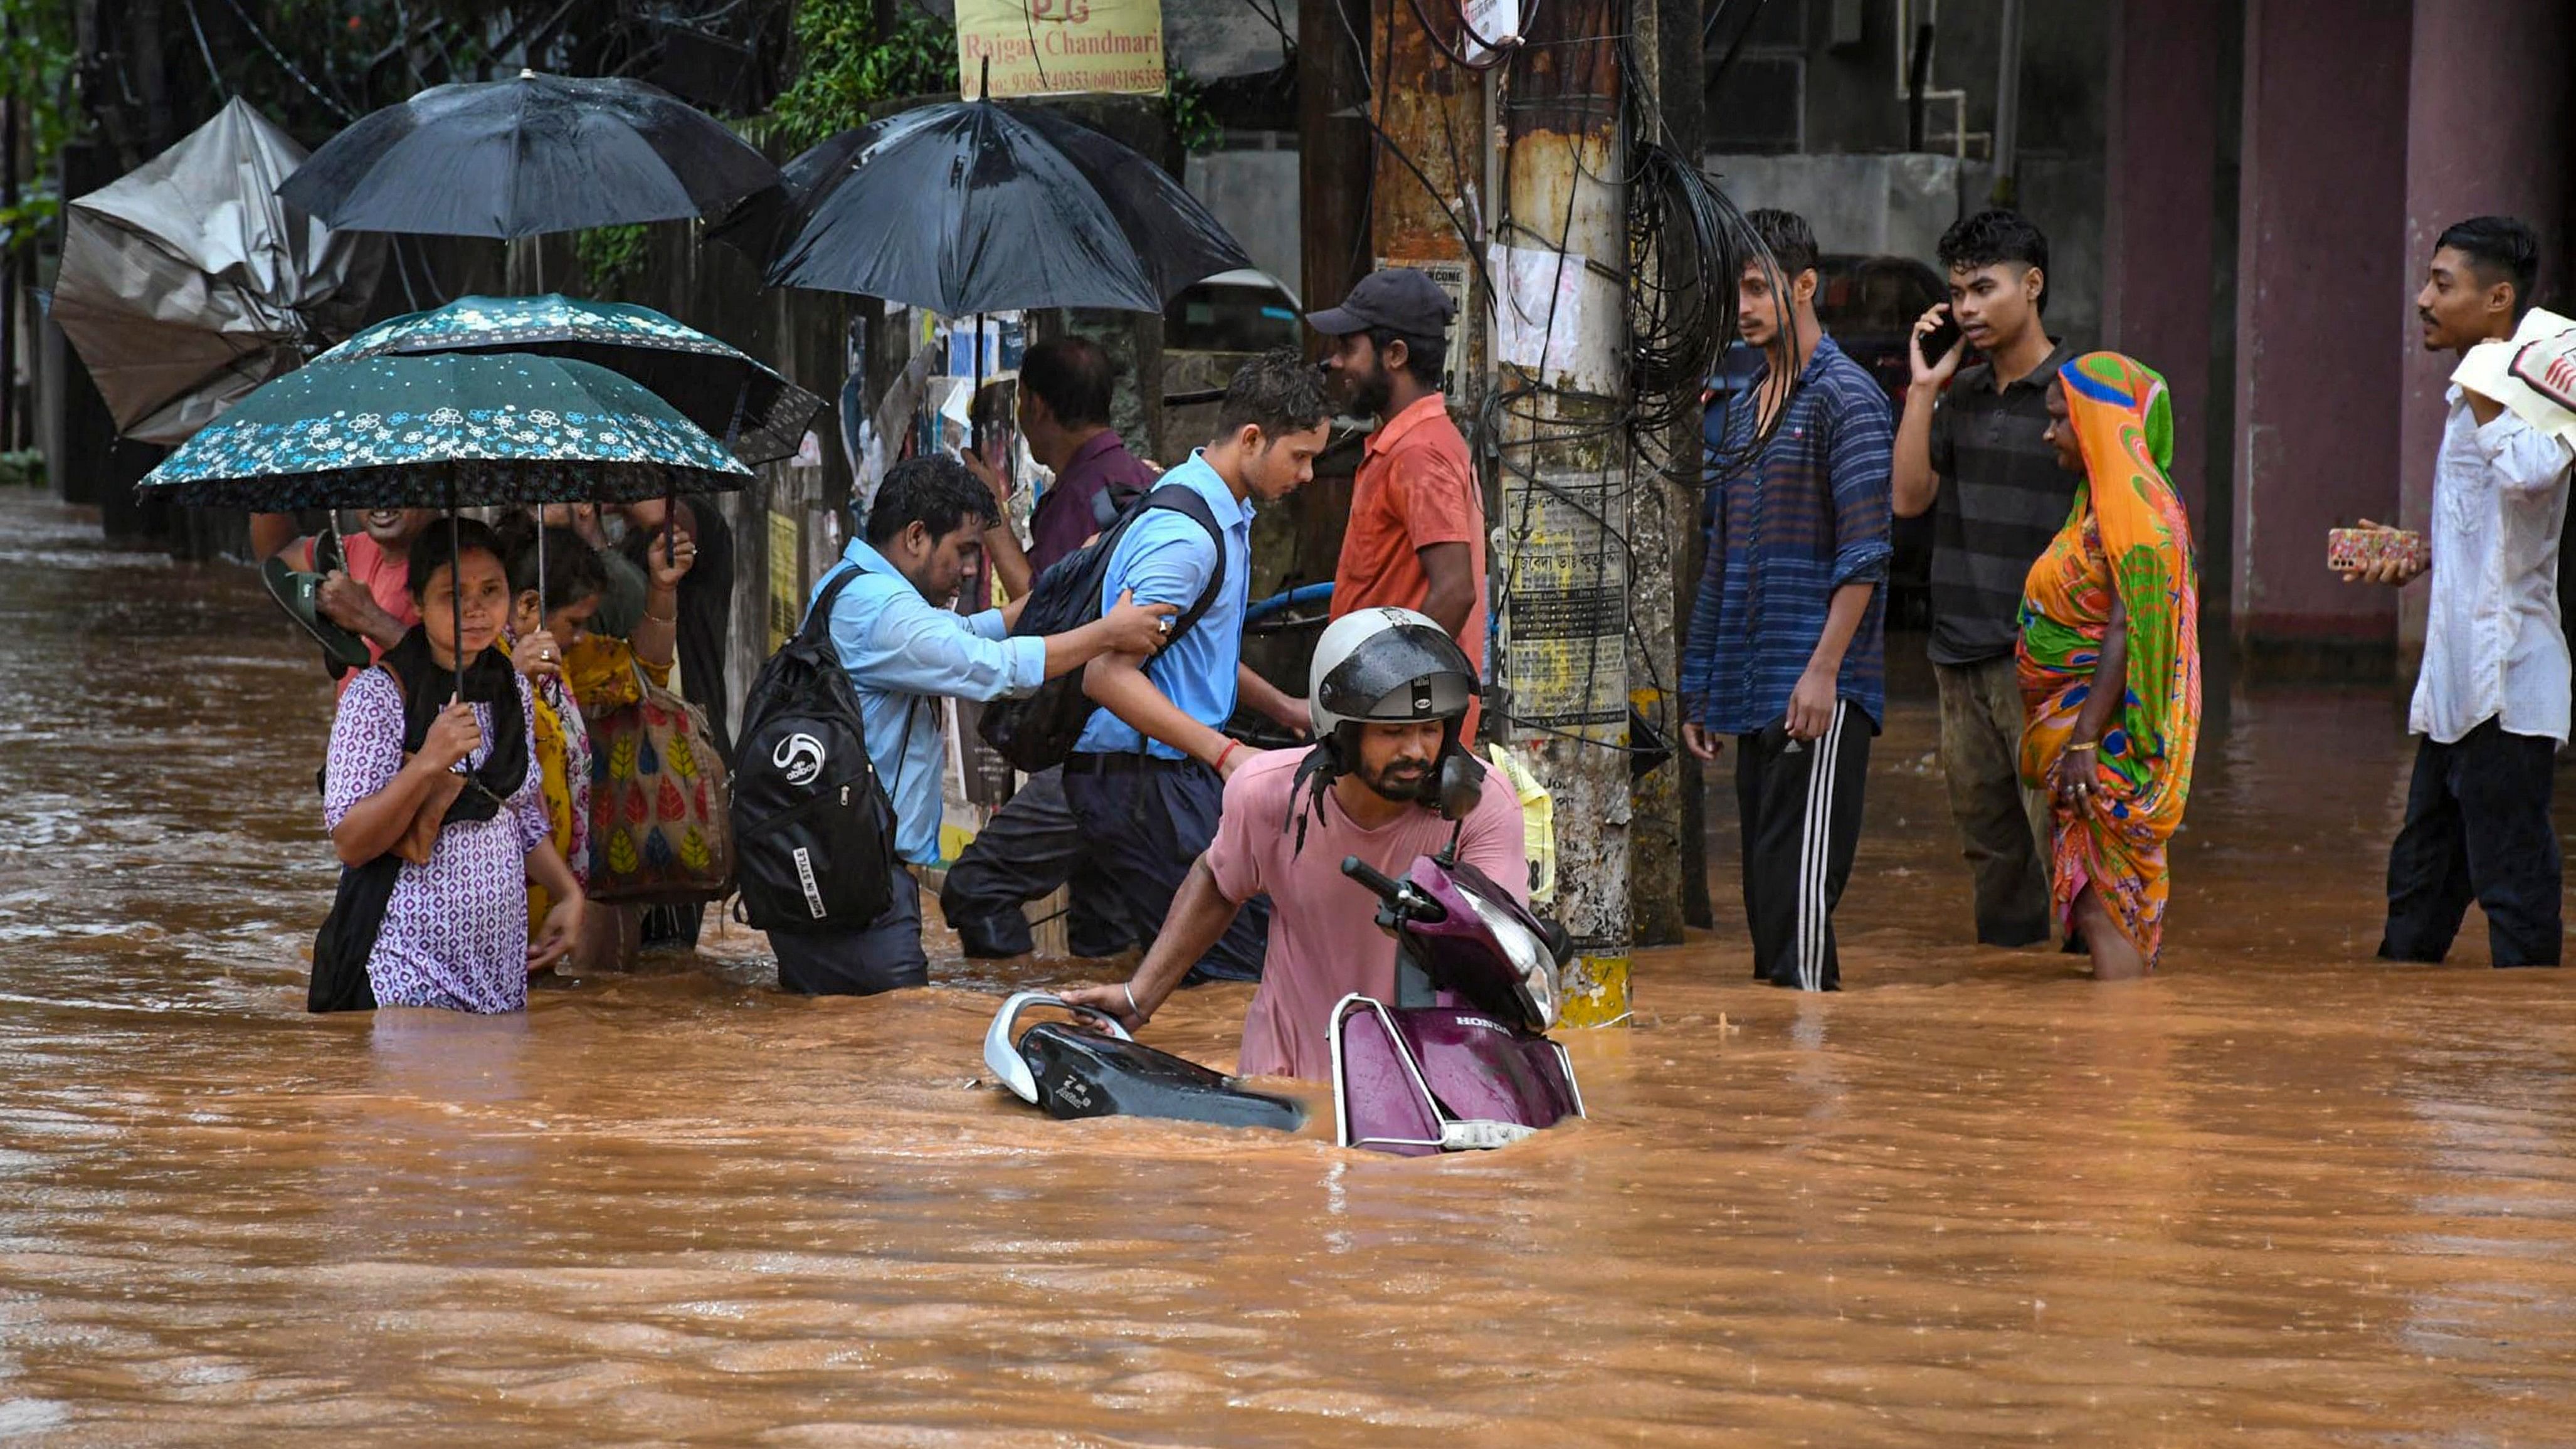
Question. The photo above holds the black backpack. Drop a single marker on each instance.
(1037, 731)
(813, 829)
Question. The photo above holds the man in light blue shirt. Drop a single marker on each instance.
(1146, 780)
(904, 649)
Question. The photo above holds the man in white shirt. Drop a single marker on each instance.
(2491, 702)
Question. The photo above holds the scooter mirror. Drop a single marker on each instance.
(1461, 785)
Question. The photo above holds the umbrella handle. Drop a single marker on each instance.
(455, 591)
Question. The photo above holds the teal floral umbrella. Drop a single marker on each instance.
(450, 430)
(743, 402)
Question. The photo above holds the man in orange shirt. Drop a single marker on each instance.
(1416, 534)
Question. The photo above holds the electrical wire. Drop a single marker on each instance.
(1687, 247)
(207, 51)
(329, 102)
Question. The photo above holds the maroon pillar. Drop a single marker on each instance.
(2321, 301)
(2491, 128)
(2157, 266)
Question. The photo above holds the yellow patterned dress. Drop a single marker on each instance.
(2126, 538)
(563, 767)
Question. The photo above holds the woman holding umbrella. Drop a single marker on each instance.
(434, 808)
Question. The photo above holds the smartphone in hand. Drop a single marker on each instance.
(1938, 342)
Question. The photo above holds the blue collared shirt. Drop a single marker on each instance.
(903, 653)
(1165, 558)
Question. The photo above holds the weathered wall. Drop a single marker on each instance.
(2321, 312)
(2159, 224)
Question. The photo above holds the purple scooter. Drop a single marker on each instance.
(1461, 1060)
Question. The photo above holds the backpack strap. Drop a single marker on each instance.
(1182, 499)
(817, 627)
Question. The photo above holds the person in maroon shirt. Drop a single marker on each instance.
(1032, 845)
(1064, 413)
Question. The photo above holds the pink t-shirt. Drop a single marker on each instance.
(385, 577)
(1324, 940)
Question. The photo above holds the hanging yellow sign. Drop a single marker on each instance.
(1055, 47)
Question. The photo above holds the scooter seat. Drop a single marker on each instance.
(1081, 1072)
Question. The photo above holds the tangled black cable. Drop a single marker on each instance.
(1682, 264)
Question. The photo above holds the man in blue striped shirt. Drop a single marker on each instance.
(1787, 648)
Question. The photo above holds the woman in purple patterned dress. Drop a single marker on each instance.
(452, 931)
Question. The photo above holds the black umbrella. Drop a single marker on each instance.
(976, 206)
(514, 158)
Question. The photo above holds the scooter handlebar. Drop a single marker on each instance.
(1376, 880)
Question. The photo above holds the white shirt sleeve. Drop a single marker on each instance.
(2524, 458)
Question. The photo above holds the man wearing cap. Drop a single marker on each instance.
(1416, 534)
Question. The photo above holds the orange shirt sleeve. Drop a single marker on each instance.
(1434, 497)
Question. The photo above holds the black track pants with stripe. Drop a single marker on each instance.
(1801, 804)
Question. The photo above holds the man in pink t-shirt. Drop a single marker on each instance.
(1387, 711)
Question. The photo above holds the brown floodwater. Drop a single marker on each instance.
(2278, 1195)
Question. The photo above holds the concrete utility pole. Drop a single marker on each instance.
(1524, 162)
(1560, 334)
(1664, 860)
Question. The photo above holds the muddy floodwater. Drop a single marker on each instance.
(2278, 1195)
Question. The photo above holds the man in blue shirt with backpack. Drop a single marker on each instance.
(1146, 778)
(903, 648)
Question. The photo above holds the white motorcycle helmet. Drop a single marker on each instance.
(1386, 666)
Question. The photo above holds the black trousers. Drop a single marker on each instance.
(2477, 828)
(1801, 808)
(883, 957)
(1030, 847)
(1145, 821)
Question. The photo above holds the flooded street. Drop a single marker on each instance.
(2278, 1195)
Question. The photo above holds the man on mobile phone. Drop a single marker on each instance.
(1977, 457)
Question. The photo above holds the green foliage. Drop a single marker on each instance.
(845, 67)
(1185, 101)
(612, 257)
(35, 70)
(22, 469)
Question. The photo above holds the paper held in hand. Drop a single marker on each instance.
(2534, 375)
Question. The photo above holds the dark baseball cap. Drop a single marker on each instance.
(1398, 299)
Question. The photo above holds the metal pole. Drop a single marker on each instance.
(2008, 109)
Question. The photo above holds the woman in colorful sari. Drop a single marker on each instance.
(2110, 663)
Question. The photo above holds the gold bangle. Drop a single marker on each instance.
(2084, 749)
(661, 618)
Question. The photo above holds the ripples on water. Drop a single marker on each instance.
(2278, 1196)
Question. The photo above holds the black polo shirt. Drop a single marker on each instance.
(2002, 499)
